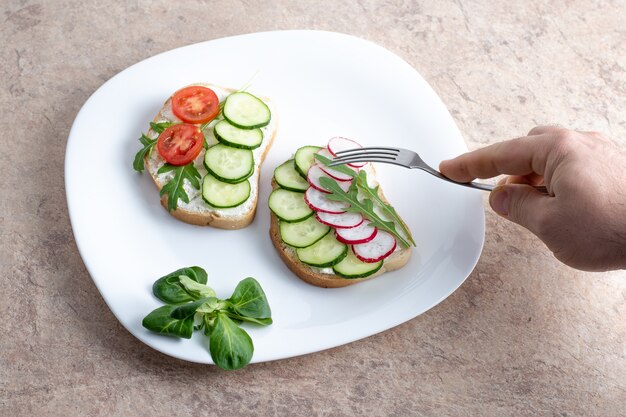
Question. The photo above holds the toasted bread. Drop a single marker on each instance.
(323, 277)
(197, 211)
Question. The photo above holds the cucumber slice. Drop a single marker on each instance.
(326, 252)
(304, 233)
(246, 111)
(304, 159)
(289, 206)
(288, 178)
(352, 267)
(237, 138)
(228, 164)
(222, 194)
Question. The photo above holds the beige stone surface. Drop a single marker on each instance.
(524, 336)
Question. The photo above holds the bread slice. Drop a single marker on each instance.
(319, 276)
(197, 211)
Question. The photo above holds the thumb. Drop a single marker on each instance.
(519, 203)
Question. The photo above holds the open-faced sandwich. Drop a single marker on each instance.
(333, 227)
(210, 143)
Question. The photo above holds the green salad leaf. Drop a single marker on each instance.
(386, 208)
(171, 290)
(148, 144)
(249, 300)
(230, 346)
(193, 306)
(372, 194)
(175, 187)
(365, 206)
(162, 322)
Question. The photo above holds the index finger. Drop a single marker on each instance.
(521, 156)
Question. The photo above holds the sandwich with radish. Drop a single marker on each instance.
(333, 226)
(210, 143)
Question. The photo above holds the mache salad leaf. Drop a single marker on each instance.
(191, 306)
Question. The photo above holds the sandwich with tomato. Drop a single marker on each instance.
(333, 226)
(204, 151)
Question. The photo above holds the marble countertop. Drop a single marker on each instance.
(523, 336)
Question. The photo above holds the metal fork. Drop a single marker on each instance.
(404, 158)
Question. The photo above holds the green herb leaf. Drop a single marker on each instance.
(160, 126)
(174, 188)
(261, 321)
(148, 144)
(341, 168)
(212, 304)
(249, 300)
(161, 321)
(195, 289)
(188, 310)
(230, 346)
(361, 180)
(170, 290)
(364, 206)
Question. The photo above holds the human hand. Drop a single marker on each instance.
(583, 220)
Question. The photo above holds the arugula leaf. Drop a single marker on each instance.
(174, 189)
(230, 346)
(170, 290)
(364, 206)
(161, 321)
(249, 300)
(361, 180)
(161, 126)
(341, 168)
(148, 144)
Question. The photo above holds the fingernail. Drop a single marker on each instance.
(499, 201)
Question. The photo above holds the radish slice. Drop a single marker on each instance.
(333, 173)
(314, 175)
(346, 220)
(318, 201)
(338, 143)
(363, 233)
(376, 249)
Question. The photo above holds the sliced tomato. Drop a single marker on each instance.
(195, 104)
(180, 144)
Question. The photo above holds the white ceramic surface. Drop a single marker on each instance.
(324, 84)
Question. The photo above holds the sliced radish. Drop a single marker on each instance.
(339, 176)
(318, 201)
(345, 220)
(376, 249)
(315, 173)
(338, 144)
(363, 233)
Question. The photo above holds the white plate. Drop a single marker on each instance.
(324, 84)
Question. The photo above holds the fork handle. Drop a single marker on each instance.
(489, 187)
(477, 185)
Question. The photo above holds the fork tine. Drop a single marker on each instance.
(343, 161)
(367, 155)
(366, 149)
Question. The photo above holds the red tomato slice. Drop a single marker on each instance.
(180, 144)
(195, 104)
